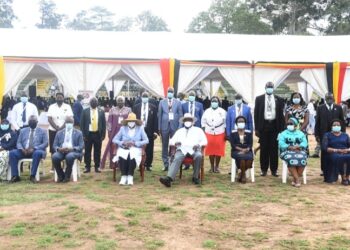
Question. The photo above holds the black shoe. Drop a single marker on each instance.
(15, 179)
(148, 168)
(65, 180)
(32, 179)
(60, 180)
(196, 181)
(186, 167)
(263, 173)
(274, 174)
(165, 180)
(165, 169)
(97, 170)
(87, 170)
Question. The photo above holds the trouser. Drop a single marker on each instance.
(166, 135)
(52, 135)
(127, 167)
(17, 154)
(177, 162)
(149, 151)
(93, 140)
(269, 150)
(70, 158)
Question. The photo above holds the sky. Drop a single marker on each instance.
(176, 13)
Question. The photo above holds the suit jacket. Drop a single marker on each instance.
(259, 112)
(324, 118)
(77, 110)
(77, 140)
(85, 122)
(198, 112)
(40, 139)
(163, 115)
(152, 121)
(231, 118)
(140, 138)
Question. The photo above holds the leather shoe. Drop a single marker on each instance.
(65, 180)
(196, 181)
(32, 179)
(263, 173)
(15, 179)
(87, 170)
(165, 180)
(186, 167)
(97, 170)
(165, 168)
(148, 168)
(274, 174)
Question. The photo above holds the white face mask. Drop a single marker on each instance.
(131, 124)
(188, 124)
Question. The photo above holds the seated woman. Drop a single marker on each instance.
(8, 140)
(292, 144)
(130, 140)
(241, 147)
(337, 146)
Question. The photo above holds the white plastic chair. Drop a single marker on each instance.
(29, 160)
(250, 173)
(75, 171)
(285, 173)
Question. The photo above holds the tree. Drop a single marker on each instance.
(7, 15)
(146, 21)
(124, 24)
(49, 18)
(229, 16)
(337, 16)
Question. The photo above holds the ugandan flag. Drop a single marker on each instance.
(170, 74)
(2, 79)
(335, 79)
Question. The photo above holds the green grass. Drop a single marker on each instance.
(211, 244)
(294, 244)
(153, 244)
(105, 244)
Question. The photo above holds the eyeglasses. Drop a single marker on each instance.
(290, 123)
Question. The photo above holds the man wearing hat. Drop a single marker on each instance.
(130, 140)
(188, 141)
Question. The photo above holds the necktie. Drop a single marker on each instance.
(24, 118)
(269, 105)
(144, 115)
(31, 139)
(94, 120)
(191, 108)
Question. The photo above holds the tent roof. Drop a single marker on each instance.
(182, 46)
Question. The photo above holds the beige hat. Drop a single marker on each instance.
(188, 117)
(131, 118)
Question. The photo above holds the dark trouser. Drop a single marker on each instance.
(149, 151)
(93, 140)
(127, 167)
(16, 155)
(52, 135)
(269, 149)
(166, 135)
(70, 158)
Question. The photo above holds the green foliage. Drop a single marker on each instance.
(210, 244)
(105, 244)
(7, 15)
(49, 18)
(154, 244)
(149, 22)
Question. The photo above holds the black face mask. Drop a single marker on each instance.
(32, 124)
(59, 102)
(93, 105)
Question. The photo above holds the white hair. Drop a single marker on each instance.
(121, 97)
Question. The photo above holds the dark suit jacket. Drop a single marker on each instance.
(152, 122)
(198, 112)
(324, 118)
(259, 112)
(85, 121)
(77, 110)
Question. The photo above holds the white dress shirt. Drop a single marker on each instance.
(144, 113)
(67, 143)
(214, 121)
(17, 113)
(59, 114)
(270, 107)
(189, 138)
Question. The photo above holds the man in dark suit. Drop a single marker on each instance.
(77, 110)
(269, 122)
(147, 113)
(93, 127)
(324, 115)
(194, 108)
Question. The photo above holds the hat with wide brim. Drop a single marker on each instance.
(131, 118)
(188, 117)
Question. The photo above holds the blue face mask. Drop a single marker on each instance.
(336, 128)
(214, 105)
(5, 126)
(269, 91)
(69, 126)
(241, 125)
(296, 100)
(144, 99)
(24, 99)
(238, 101)
(191, 98)
(290, 127)
(170, 95)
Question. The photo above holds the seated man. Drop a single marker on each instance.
(32, 143)
(68, 145)
(188, 141)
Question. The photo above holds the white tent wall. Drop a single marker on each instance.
(118, 85)
(211, 87)
(204, 72)
(317, 78)
(15, 72)
(346, 86)
(186, 75)
(305, 90)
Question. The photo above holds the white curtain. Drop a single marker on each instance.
(305, 90)
(346, 86)
(262, 75)
(240, 78)
(215, 85)
(317, 78)
(191, 75)
(15, 73)
(118, 85)
(71, 75)
(98, 73)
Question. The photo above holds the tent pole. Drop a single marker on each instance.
(84, 76)
(211, 88)
(253, 81)
(306, 94)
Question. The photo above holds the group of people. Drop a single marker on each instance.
(186, 129)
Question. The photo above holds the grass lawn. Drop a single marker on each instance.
(96, 213)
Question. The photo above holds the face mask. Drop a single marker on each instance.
(336, 128)
(214, 105)
(170, 95)
(5, 126)
(191, 98)
(296, 100)
(144, 99)
(131, 124)
(59, 102)
(238, 101)
(32, 124)
(188, 124)
(24, 99)
(269, 91)
(290, 127)
(241, 125)
(69, 126)
(120, 104)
